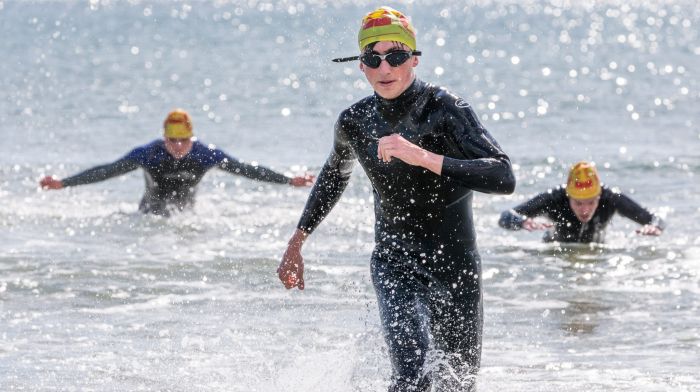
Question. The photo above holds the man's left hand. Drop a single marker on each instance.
(305, 180)
(649, 230)
(396, 146)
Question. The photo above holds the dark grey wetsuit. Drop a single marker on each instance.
(425, 266)
(171, 181)
(554, 204)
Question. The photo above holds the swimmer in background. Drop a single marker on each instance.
(173, 166)
(580, 211)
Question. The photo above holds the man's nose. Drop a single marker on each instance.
(384, 66)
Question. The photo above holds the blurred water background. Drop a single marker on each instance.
(95, 296)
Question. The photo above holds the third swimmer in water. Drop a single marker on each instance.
(579, 211)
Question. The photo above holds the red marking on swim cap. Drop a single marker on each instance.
(377, 22)
(584, 184)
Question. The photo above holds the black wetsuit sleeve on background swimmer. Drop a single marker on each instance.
(485, 167)
(254, 172)
(630, 209)
(101, 173)
(330, 184)
(542, 204)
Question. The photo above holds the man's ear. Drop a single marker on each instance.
(362, 66)
(415, 60)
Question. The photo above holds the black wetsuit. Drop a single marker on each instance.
(425, 266)
(554, 204)
(171, 181)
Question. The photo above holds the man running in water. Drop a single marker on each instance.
(580, 211)
(425, 152)
(173, 166)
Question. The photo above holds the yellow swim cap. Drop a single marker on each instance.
(178, 125)
(386, 24)
(583, 182)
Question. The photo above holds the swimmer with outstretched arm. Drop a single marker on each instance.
(173, 166)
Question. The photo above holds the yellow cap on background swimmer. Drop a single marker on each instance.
(177, 125)
(583, 182)
(386, 24)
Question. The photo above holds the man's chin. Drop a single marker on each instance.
(387, 93)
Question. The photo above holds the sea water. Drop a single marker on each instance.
(96, 296)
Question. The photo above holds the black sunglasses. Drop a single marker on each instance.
(374, 60)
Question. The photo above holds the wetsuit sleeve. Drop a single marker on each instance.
(630, 209)
(511, 220)
(330, 184)
(483, 167)
(254, 172)
(103, 172)
(538, 205)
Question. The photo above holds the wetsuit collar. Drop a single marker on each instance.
(403, 102)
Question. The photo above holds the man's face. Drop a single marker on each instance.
(178, 148)
(584, 208)
(387, 81)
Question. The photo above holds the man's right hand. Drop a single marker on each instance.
(530, 225)
(291, 269)
(49, 182)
